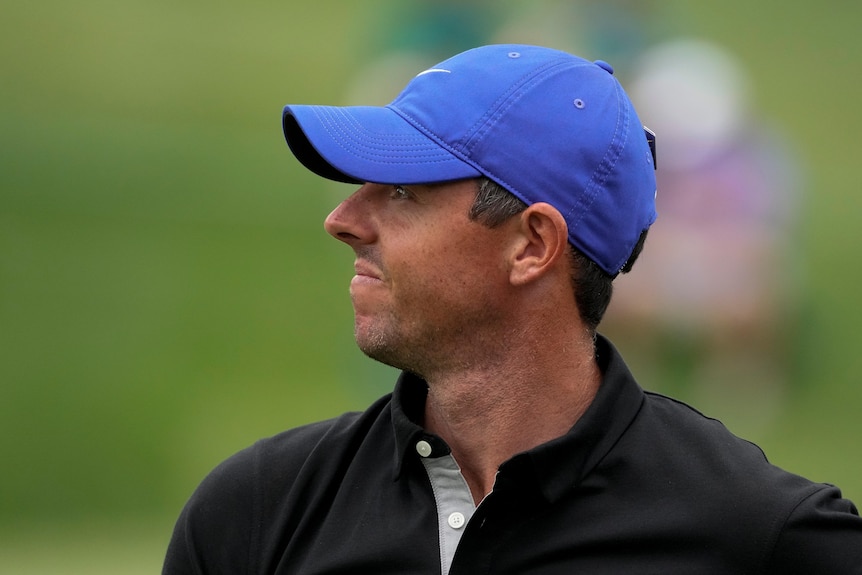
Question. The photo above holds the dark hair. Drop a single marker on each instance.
(592, 285)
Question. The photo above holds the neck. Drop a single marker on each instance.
(496, 409)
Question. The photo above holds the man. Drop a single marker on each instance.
(500, 193)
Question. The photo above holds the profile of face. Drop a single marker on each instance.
(428, 280)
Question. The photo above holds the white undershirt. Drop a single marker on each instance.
(454, 501)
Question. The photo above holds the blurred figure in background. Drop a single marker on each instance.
(717, 289)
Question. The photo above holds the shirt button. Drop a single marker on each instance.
(456, 520)
(423, 448)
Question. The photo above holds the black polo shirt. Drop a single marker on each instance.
(641, 484)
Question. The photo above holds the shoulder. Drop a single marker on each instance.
(709, 459)
(784, 519)
(699, 453)
(679, 429)
(224, 522)
(821, 534)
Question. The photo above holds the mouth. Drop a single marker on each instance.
(366, 273)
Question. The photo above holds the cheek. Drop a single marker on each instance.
(460, 277)
(452, 264)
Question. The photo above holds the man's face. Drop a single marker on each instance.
(428, 283)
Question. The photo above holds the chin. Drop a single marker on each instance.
(381, 351)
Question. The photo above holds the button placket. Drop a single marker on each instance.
(452, 497)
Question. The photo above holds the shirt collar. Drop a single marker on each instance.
(562, 463)
(408, 412)
(557, 465)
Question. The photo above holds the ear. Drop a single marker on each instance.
(542, 241)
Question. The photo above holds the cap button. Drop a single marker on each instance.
(605, 66)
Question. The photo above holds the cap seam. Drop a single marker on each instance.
(432, 136)
(603, 170)
(353, 145)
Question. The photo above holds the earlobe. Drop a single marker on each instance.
(542, 241)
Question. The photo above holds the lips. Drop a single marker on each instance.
(367, 275)
(366, 270)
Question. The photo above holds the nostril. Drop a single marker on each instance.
(350, 221)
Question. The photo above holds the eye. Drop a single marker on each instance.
(400, 193)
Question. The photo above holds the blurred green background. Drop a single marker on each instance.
(168, 294)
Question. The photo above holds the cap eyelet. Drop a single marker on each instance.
(579, 104)
(514, 54)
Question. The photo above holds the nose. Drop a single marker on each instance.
(351, 220)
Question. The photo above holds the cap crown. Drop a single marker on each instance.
(549, 127)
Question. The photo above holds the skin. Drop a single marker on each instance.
(486, 316)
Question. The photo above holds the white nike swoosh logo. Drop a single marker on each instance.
(432, 70)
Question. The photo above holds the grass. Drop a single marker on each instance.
(118, 547)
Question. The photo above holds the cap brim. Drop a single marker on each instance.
(360, 144)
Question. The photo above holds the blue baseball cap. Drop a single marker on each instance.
(544, 124)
